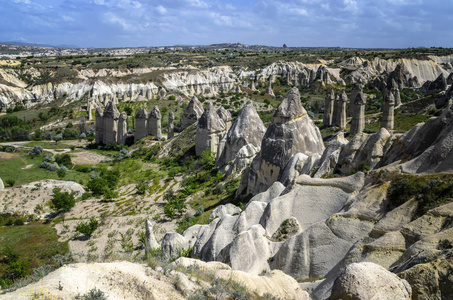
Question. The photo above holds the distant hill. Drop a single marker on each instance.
(37, 45)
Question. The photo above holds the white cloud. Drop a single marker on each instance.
(161, 10)
(111, 18)
(67, 18)
(350, 5)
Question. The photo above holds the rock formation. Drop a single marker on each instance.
(90, 111)
(358, 114)
(339, 113)
(171, 126)
(269, 90)
(328, 108)
(210, 130)
(368, 281)
(122, 129)
(192, 113)
(388, 107)
(154, 123)
(99, 129)
(225, 116)
(292, 131)
(141, 124)
(110, 120)
(2, 186)
(438, 85)
(242, 142)
(150, 239)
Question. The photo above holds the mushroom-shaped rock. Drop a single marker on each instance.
(291, 132)
(369, 281)
(192, 113)
(141, 124)
(154, 123)
(242, 141)
(210, 130)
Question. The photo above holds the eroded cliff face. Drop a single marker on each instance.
(30, 86)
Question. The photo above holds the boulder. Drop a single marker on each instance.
(173, 244)
(291, 132)
(368, 281)
(222, 210)
(242, 141)
(192, 113)
(154, 123)
(210, 130)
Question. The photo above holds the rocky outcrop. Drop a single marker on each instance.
(210, 130)
(329, 159)
(192, 113)
(154, 123)
(222, 210)
(388, 107)
(173, 244)
(242, 142)
(171, 126)
(225, 115)
(122, 129)
(141, 124)
(150, 239)
(111, 126)
(269, 90)
(438, 85)
(99, 129)
(292, 131)
(358, 114)
(368, 281)
(328, 108)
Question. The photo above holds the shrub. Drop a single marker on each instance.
(63, 200)
(10, 182)
(87, 228)
(64, 159)
(93, 294)
(61, 173)
(37, 150)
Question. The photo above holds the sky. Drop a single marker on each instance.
(296, 23)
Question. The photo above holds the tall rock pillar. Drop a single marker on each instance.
(171, 126)
(328, 108)
(388, 107)
(141, 124)
(99, 131)
(358, 114)
(154, 123)
(210, 130)
(111, 117)
(269, 90)
(122, 129)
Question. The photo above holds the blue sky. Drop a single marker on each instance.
(133, 23)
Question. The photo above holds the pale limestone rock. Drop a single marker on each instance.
(225, 115)
(141, 124)
(339, 113)
(171, 126)
(226, 209)
(388, 107)
(150, 238)
(90, 111)
(242, 142)
(328, 108)
(220, 238)
(250, 216)
(210, 130)
(203, 236)
(358, 114)
(329, 159)
(368, 281)
(191, 234)
(192, 113)
(2, 186)
(269, 90)
(291, 132)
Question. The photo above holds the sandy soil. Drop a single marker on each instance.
(86, 158)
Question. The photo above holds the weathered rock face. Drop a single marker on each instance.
(192, 113)
(154, 123)
(339, 113)
(438, 85)
(388, 107)
(291, 132)
(90, 111)
(358, 114)
(242, 142)
(171, 126)
(2, 186)
(368, 281)
(328, 108)
(329, 159)
(141, 124)
(225, 115)
(151, 242)
(210, 130)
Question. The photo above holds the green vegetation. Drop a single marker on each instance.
(14, 129)
(87, 228)
(24, 248)
(63, 201)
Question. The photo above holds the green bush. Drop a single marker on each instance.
(64, 159)
(10, 182)
(63, 200)
(87, 228)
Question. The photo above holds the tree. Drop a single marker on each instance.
(64, 159)
(87, 228)
(63, 201)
